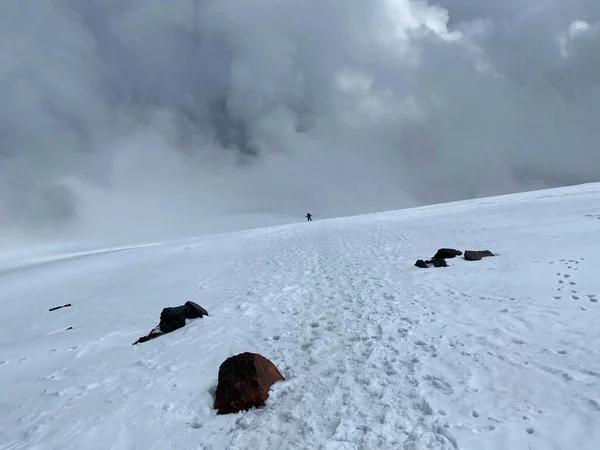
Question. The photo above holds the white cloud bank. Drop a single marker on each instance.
(119, 115)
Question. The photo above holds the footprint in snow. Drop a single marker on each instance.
(594, 404)
(439, 383)
(424, 406)
(426, 347)
(307, 346)
(195, 424)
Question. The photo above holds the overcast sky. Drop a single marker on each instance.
(149, 113)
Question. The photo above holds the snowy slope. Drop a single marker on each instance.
(497, 354)
(17, 250)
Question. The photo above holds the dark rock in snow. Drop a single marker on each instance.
(476, 255)
(435, 262)
(172, 319)
(152, 335)
(244, 383)
(194, 310)
(439, 259)
(444, 253)
(439, 262)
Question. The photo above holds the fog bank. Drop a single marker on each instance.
(134, 120)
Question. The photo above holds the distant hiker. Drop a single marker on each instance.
(309, 217)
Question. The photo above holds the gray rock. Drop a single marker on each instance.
(476, 255)
(194, 310)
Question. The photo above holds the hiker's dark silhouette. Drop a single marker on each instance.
(309, 217)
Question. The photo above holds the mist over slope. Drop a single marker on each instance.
(151, 118)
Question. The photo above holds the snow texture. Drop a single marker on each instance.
(500, 353)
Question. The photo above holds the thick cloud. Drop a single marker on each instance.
(122, 115)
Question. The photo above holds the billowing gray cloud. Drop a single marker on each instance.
(125, 116)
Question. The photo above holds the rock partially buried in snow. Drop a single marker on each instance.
(172, 319)
(444, 253)
(439, 259)
(435, 262)
(152, 335)
(476, 255)
(439, 262)
(244, 383)
(194, 310)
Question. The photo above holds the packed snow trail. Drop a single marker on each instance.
(496, 354)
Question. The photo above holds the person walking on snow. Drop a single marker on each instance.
(309, 217)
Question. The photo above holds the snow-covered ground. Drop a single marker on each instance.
(378, 354)
(16, 250)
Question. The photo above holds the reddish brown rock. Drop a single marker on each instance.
(152, 335)
(244, 383)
